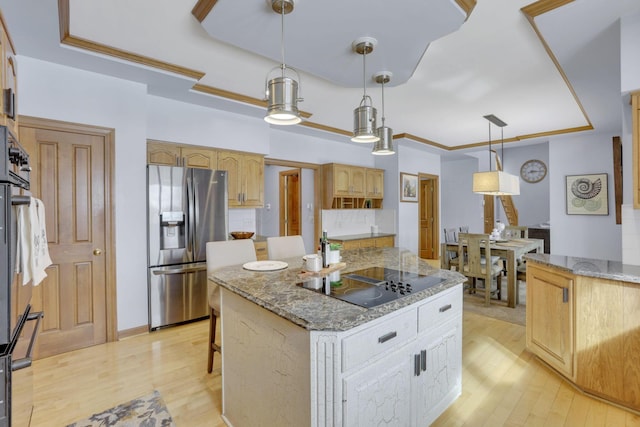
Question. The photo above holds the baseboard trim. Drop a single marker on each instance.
(138, 330)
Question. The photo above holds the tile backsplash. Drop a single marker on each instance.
(242, 220)
(340, 222)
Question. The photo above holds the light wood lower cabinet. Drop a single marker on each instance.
(593, 339)
(549, 317)
(261, 250)
(373, 242)
(402, 369)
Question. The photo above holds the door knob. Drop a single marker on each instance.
(97, 252)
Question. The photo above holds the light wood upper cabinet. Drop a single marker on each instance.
(549, 317)
(375, 183)
(245, 178)
(635, 115)
(163, 153)
(347, 186)
(9, 81)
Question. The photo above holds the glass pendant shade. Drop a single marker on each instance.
(384, 146)
(364, 124)
(496, 183)
(282, 101)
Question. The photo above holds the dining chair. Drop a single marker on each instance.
(451, 236)
(473, 252)
(223, 254)
(282, 247)
(464, 228)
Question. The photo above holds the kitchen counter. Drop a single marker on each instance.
(603, 269)
(294, 357)
(276, 291)
(582, 320)
(361, 236)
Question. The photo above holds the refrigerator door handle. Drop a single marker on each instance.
(179, 270)
(190, 231)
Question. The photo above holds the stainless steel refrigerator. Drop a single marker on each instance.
(187, 208)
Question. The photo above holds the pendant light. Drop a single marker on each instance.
(384, 146)
(281, 92)
(364, 116)
(495, 183)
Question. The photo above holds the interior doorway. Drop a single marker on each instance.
(290, 206)
(428, 208)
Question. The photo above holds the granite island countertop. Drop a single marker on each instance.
(361, 236)
(277, 291)
(612, 270)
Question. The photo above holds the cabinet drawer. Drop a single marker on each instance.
(364, 345)
(440, 309)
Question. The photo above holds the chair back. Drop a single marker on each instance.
(516, 232)
(473, 251)
(450, 235)
(223, 254)
(464, 229)
(285, 247)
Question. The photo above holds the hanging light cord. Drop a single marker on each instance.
(502, 146)
(489, 146)
(364, 81)
(282, 37)
(383, 102)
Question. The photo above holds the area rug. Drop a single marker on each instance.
(498, 309)
(145, 411)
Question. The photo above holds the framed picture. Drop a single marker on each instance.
(408, 187)
(587, 194)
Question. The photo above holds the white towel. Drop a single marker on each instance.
(33, 251)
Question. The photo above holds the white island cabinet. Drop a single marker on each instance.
(396, 365)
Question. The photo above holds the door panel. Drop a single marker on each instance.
(489, 213)
(428, 209)
(70, 180)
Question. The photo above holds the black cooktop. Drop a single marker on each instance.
(372, 286)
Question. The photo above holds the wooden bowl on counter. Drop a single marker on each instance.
(242, 234)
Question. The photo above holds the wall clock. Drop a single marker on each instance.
(533, 171)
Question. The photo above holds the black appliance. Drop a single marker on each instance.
(15, 311)
(372, 286)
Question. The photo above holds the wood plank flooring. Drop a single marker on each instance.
(503, 384)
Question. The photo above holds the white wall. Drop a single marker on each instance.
(629, 55)
(459, 205)
(414, 161)
(591, 236)
(62, 93)
(533, 201)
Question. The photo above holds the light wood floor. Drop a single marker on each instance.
(503, 385)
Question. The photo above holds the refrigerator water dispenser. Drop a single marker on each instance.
(172, 230)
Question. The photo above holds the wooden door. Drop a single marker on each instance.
(290, 209)
(489, 213)
(70, 177)
(428, 217)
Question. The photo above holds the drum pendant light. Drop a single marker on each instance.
(384, 146)
(281, 92)
(495, 183)
(364, 116)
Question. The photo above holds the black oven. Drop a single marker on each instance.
(16, 340)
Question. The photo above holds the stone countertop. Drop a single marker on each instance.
(360, 236)
(277, 291)
(612, 270)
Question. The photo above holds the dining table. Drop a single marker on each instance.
(510, 250)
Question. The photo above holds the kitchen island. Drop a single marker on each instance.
(296, 357)
(583, 320)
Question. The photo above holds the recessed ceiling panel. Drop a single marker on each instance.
(318, 34)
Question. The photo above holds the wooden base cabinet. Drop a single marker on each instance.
(402, 369)
(549, 317)
(588, 329)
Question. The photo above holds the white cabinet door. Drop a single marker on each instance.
(440, 379)
(380, 395)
